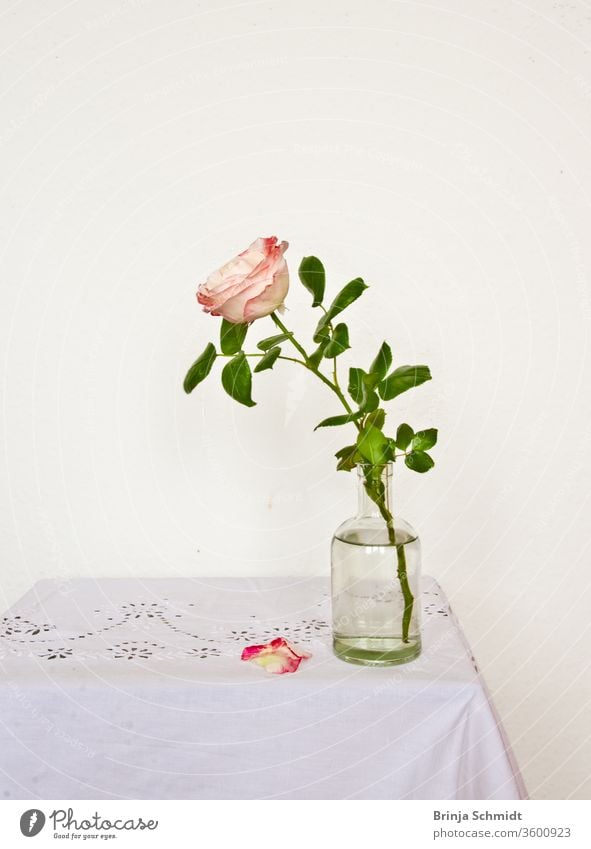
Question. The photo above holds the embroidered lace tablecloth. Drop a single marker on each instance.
(117, 688)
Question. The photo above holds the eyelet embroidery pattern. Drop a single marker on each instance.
(303, 631)
(204, 652)
(434, 608)
(164, 630)
(133, 650)
(18, 629)
(59, 653)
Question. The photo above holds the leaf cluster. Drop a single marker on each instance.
(367, 388)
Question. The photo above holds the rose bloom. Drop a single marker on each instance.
(276, 657)
(250, 286)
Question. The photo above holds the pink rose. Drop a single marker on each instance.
(276, 657)
(250, 286)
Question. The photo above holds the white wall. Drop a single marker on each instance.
(439, 149)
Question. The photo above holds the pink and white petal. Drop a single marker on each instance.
(277, 663)
(276, 657)
(239, 267)
(300, 652)
(214, 298)
(253, 651)
(233, 308)
(262, 245)
(233, 274)
(277, 643)
(271, 262)
(271, 297)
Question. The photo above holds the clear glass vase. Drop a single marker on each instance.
(376, 565)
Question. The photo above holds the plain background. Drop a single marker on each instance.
(441, 150)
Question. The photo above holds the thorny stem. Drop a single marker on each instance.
(377, 492)
(374, 486)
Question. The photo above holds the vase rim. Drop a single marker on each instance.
(384, 467)
(375, 465)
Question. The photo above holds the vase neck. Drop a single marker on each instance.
(374, 479)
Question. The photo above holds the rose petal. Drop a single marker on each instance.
(276, 657)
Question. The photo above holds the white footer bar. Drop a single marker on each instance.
(291, 824)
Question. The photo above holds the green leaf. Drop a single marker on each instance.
(373, 445)
(315, 357)
(322, 331)
(383, 361)
(424, 439)
(312, 275)
(401, 379)
(355, 387)
(232, 337)
(346, 296)
(332, 421)
(361, 390)
(391, 449)
(339, 342)
(347, 457)
(370, 400)
(370, 380)
(237, 380)
(271, 341)
(404, 435)
(268, 361)
(419, 461)
(343, 452)
(200, 368)
(377, 418)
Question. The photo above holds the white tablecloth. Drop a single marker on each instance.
(118, 688)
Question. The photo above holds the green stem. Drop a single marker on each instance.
(292, 338)
(406, 591)
(375, 488)
(377, 492)
(334, 387)
(281, 357)
(335, 376)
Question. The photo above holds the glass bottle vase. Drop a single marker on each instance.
(376, 564)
